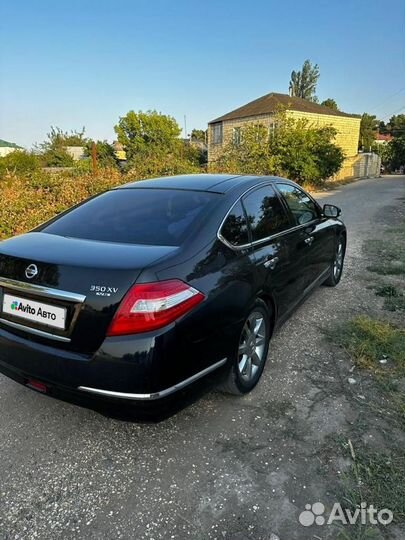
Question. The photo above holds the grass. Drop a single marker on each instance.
(375, 479)
(388, 254)
(398, 229)
(395, 268)
(378, 479)
(394, 298)
(369, 340)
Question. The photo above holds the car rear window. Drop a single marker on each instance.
(136, 216)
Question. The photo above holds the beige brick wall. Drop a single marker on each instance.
(214, 150)
(348, 130)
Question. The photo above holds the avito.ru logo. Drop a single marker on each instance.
(19, 306)
(314, 513)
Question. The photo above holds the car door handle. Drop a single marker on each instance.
(309, 240)
(271, 262)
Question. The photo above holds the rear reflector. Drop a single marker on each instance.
(37, 385)
(149, 306)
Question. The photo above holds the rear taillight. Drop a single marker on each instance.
(149, 306)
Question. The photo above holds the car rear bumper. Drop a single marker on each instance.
(155, 395)
(123, 369)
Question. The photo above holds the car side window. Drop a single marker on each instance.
(235, 229)
(265, 213)
(301, 206)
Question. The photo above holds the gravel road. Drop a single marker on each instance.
(222, 468)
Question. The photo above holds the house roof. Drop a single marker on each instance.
(8, 144)
(383, 137)
(272, 103)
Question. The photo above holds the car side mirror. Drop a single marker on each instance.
(331, 211)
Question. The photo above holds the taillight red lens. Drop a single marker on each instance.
(149, 306)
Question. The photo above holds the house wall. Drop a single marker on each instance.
(347, 137)
(76, 152)
(348, 128)
(5, 150)
(215, 150)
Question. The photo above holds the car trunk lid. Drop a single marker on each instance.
(79, 282)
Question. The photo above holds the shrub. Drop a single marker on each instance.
(18, 162)
(57, 157)
(53, 149)
(252, 155)
(105, 154)
(294, 148)
(28, 201)
(160, 165)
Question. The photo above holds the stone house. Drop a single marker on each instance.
(229, 127)
(8, 147)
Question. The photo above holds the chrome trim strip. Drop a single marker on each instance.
(35, 331)
(41, 291)
(155, 395)
(262, 240)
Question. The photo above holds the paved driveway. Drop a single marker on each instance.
(225, 468)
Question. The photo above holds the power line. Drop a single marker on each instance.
(387, 99)
(396, 112)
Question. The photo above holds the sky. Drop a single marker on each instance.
(86, 63)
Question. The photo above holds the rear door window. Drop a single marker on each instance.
(265, 213)
(300, 204)
(136, 216)
(235, 229)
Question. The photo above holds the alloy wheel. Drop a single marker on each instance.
(338, 263)
(252, 346)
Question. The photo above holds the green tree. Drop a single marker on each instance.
(148, 133)
(305, 153)
(383, 128)
(153, 147)
(385, 153)
(53, 149)
(368, 131)
(294, 149)
(397, 153)
(251, 156)
(396, 125)
(303, 83)
(57, 137)
(199, 135)
(105, 153)
(330, 103)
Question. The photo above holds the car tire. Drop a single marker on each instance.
(336, 268)
(250, 354)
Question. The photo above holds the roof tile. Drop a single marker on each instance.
(272, 103)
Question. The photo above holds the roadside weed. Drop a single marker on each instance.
(368, 341)
(394, 298)
(389, 257)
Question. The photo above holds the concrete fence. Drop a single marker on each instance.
(360, 166)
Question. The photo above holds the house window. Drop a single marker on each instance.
(273, 127)
(217, 133)
(237, 136)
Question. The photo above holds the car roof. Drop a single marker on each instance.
(215, 183)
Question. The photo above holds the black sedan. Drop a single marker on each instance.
(142, 290)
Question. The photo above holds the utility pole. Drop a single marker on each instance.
(185, 127)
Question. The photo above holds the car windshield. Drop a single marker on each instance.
(136, 216)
